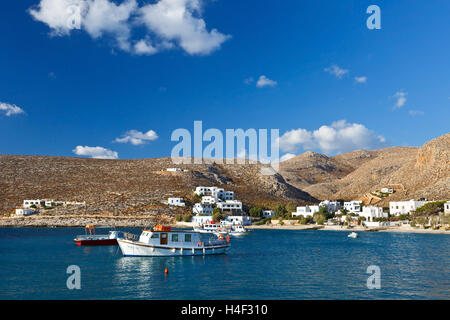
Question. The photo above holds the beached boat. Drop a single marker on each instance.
(92, 239)
(353, 235)
(161, 241)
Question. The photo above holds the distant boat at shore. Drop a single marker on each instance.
(353, 235)
(92, 239)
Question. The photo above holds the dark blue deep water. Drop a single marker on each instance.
(266, 264)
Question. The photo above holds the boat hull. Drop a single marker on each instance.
(96, 242)
(134, 249)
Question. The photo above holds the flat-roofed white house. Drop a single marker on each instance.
(179, 202)
(397, 208)
(203, 209)
(209, 199)
(371, 212)
(217, 193)
(332, 206)
(268, 213)
(306, 211)
(353, 206)
(25, 212)
(174, 169)
(447, 207)
(29, 203)
(230, 205)
(387, 190)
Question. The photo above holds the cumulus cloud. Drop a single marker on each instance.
(10, 109)
(95, 152)
(137, 138)
(169, 23)
(263, 81)
(287, 156)
(361, 79)
(339, 137)
(400, 97)
(336, 71)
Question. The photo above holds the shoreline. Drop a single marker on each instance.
(358, 229)
(76, 221)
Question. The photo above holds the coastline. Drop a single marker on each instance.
(357, 228)
(141, 221)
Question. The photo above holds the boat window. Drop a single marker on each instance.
(174, 237)
(187, 237)
(155, 236)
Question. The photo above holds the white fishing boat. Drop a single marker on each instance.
(161, 241)
(211, 227)
(353, 235)
(238, 230)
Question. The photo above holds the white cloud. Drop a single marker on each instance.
(401, 99)
(10, 109)
(291, 140)
(168, 22)
(339, 137)
(416, 112)
(336, 71)
(361, 79)
(263, 81)
(137, 138)
(287, 156)
(95, 152)
(179, 21)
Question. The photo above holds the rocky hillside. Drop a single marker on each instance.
(131, 186)
(412, 172)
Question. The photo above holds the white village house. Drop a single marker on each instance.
(397, 208)
(268, 213)
(215, 192)
(305, 211)
(332, 206)
(230, 205)
(179, 202)
(447, 207)
(387, 190)
(174, 170)
(230, 220)
(371, 212)
(25, 212)
(353, 206)
(202, 209)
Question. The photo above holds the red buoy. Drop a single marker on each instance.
(166, 271)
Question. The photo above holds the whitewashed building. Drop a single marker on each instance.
(447, 207)
(179, 202)
(203, 209)
(268, 213)
(332, 206)
(217, 193)
(371, 212)
(306, 211)
(29, 203)
(209, 199)
(397, 208)
(353, 206)
(25, 212)
(387, 190)
(174, 169)
(230, 205)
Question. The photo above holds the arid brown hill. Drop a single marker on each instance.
(412, 172)
(131, 185)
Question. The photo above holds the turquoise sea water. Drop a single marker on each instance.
(266, 264)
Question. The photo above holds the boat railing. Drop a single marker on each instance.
(212, 243)
(92, 237)
(130, 236)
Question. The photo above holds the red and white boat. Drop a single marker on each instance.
(92, 239)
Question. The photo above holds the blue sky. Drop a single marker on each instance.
(84, 88)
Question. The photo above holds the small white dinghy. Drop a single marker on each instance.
(353, 235)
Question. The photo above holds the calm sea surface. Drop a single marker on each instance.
(266, 264)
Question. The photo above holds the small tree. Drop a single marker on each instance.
(280, 210)
(255, 212)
